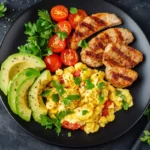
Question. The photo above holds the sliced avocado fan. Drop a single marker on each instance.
(22, 105)
(16, 82)
(35, 99)
(16, 63)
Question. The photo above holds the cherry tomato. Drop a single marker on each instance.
(53, 62)
(59, 13)
(77, 73)
(61, 80)
(71, 126)
(75, 19)
(82, 127)
(56, 44)
(69, 57)
(64, 26)
(105, 112)
(108, 103)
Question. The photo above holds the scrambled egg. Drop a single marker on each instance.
(83, 90)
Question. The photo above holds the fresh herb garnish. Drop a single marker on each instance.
(38, 34)
(62, 35)
(68, 100)
(50, 122)
(55, 97)
(46, 93)
(69, 134)
(147, 113)
(125, 104)
(84, 112)
(30, 29)
(59, 87)
(32, 71)
(77, 80)
(43, 14)
(3, 9)
(101, 85)
(73, 10)
(83, 44)
(101, 98)
(118, 92)
(88, 84)
(146, 137)
(84, 69)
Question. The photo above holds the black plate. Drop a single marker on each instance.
(140, 89)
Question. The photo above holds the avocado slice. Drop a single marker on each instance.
(22, 104)
(35, 99)
(15, 83)
(16, 63)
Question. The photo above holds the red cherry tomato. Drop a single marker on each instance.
(56, 44)
(59, 13)
(108, 103)
(77, 73)
(53, 62)
(75, 19)
(69, 57)
(61, 80)
(71, 126)
(82, 128)
(64, 26)
(105, 112)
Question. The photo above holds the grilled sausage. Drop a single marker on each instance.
(92, 55)
(92, 24)
(117, 54)
(120, 77)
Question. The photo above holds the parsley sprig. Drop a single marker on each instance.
(146, 137)
(73, 10)
(77, 80)
(38, 34)
(83, 44)
(147, 113)
(59, 87)
(62, 35)
(32, 71)
(88, 84)
(3, 9)
(68, 100)
(125, 104)
(50, 122)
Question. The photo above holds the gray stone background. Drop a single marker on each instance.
(12, 137)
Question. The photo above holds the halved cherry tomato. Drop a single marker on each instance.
(64, 26)
(77, 73)
(56, 44)
(71, 126)
(82, 127)
(61, 80)
(105, 112)
(75, 19)
(69, 57)
(59, 13)
(108, 103)
(53, 62)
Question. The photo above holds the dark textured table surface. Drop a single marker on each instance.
(12, 137)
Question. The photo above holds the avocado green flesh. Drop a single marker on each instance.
(17, 80)
(35, 99)
(16, 63)
(22, 105)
